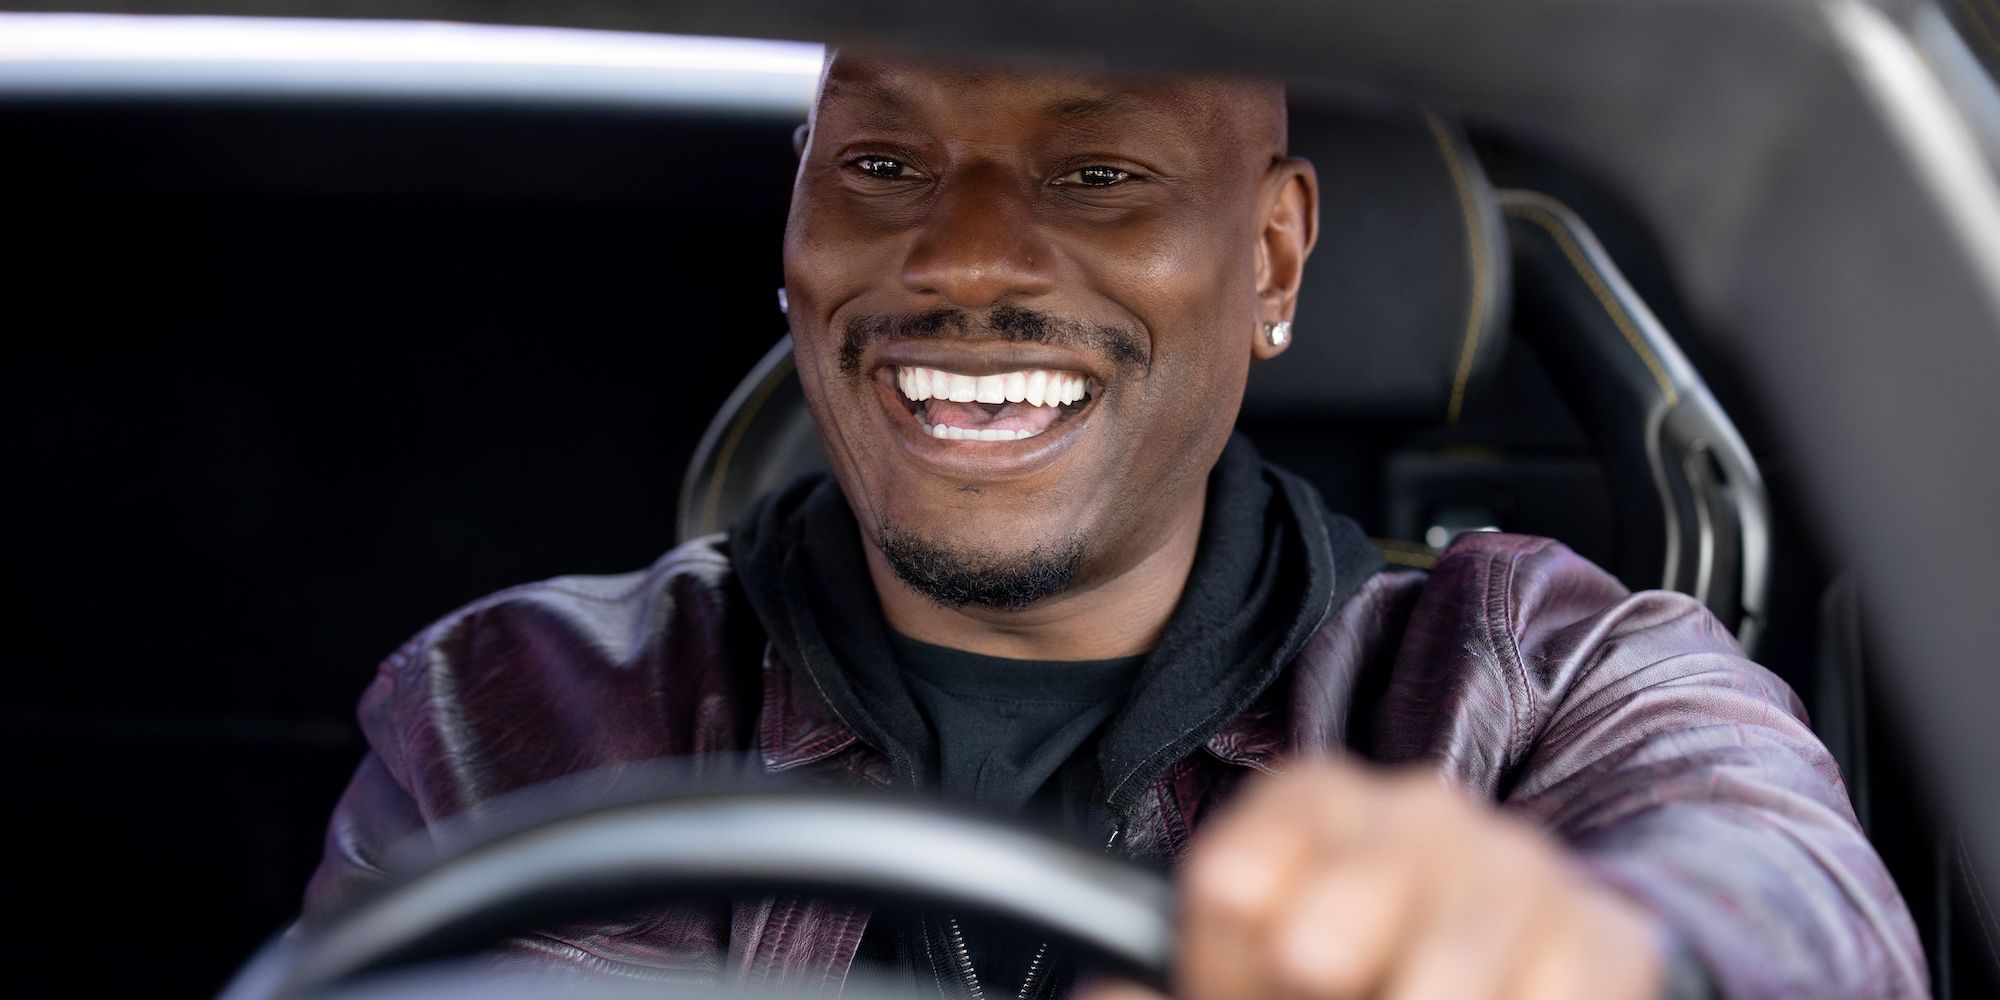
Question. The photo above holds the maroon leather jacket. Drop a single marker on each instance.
(1630, 726)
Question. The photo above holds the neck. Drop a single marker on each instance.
(1120, 615)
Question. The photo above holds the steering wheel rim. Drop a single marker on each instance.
(500, 878)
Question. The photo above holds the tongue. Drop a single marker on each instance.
(990, 416)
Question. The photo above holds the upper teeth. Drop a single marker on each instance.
(1038, 387)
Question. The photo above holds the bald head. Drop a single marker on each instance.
(1241, 114)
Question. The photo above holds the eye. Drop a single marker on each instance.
(1095, 176)
(883, 168)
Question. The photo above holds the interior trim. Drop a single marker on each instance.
(1527, 211)
(1475, 250)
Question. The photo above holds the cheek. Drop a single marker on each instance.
(1193, 286)
(830, 255)
(822, 272)
(1190, 278)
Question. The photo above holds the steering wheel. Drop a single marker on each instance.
(573, 849)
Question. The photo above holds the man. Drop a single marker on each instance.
(1044, 576)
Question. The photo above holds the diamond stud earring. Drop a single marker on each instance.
(784, 301)
(1277, 334)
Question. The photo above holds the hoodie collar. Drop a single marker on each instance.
(1271, 565)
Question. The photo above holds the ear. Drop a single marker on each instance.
(799, 137)
(1288, 225)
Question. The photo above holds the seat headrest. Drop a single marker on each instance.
(1404, 296)
(1398, 317)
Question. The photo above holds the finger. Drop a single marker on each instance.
(1242, 875)
(1458, 953)
(1601, 948)
(1488, 897)
(1340, 937)
(1384, 895)
(1236, 884)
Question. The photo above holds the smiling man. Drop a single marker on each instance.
(1045, 576)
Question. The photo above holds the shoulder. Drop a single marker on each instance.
(1519, 575)
(1533, 602)
(1509, 632)
(1522, 598)
(617, 614)
(1480, 594)
(547, 678)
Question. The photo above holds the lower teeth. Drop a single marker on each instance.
(949, 433)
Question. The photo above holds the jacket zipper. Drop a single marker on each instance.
(962, 955)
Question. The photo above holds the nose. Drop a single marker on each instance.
(980, 243)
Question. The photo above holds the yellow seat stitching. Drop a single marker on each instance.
(737, 428)
(1404, 553)
(1541, 217)
(1475, 318)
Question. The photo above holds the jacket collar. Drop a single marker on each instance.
(795, 727)
(1305, 710)
(1254, 739)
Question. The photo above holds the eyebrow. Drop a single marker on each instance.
(1099, 117)
(1085, 109)
(876, 101)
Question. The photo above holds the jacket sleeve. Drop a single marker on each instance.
(1682, 774)
(374, 815)
(377, 811)
(539, 682)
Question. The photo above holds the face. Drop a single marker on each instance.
(1024, 306)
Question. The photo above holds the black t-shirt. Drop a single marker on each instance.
(1004, 728)
(1010, 734)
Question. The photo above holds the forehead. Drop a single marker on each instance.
(880, 91)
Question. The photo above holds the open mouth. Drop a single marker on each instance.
(1009, 406)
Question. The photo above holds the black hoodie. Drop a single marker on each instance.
(1271, 563)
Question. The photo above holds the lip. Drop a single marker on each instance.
(988, 460)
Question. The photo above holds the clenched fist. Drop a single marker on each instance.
(1334, 881)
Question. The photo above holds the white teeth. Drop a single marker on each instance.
(992, 389)
(949, 433)
(1037, 387)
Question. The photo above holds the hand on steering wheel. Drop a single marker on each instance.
(1333, 881)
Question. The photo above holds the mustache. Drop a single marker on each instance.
(1014, 324)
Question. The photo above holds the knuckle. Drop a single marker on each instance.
(1306, 968)
(1226, 884)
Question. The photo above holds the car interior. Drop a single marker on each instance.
(293, 372)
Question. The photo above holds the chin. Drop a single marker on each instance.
(956, 570)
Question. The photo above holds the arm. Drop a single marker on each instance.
(374, 814)
(1685, 776)
(1600, 797)
(377, 811)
